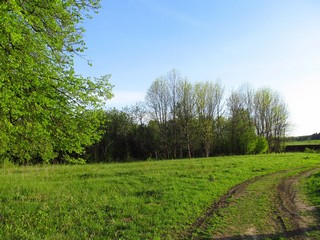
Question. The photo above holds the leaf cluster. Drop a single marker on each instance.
(46, 110)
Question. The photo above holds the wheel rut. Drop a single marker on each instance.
(287, 210)
(290, 206)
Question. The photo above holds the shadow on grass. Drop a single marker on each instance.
(302, 232)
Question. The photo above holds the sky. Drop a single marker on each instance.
(264, 43)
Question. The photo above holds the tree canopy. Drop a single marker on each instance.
(47, 111)
(183, 119)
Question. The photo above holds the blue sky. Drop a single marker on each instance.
(266, 43)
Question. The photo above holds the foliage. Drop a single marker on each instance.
(145, 200)
(185, 114)
(313, 137)
(182, 119)
(271, 118)
(46, 110)
(261, 145)
(123, 140)
(309, 150)
(241, 128)
(193, 121)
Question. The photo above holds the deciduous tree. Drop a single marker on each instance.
(241, 127)
(271, 118)
(208, 98)
(46, 111)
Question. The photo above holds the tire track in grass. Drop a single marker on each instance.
(287, 209)
(291, 207)
(223, 202)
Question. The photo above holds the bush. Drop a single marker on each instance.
(261, 145)
(309, 150)
(5, 162)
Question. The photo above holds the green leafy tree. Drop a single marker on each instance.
(115, 144)
(47, 112)
(241, 127)
(208, 104)
(271, 118)
(261, 145)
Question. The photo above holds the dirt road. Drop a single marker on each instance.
(266, 207)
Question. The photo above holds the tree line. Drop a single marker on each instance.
(180, 119)
(48, 113)
(314, 136)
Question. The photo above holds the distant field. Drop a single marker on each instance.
(308, 142)
(145, 200)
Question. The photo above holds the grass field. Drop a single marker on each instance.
(144, 200)
(311, 188)
(307, 142)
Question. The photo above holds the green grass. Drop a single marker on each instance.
(254, 212)
(307, 142)
(311, 189)
(145, 200)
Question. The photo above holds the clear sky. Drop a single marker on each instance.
(266, 43)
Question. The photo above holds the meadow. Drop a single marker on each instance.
(142, 200)
(311, 188)
(305, 142)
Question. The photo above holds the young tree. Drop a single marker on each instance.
(271, 118)
(208, 97)
(241, 128)
(162, 98)
(186, 115)
(46, 110)
(174, 78)
(158, 100)
(138, 113)
(280, 124)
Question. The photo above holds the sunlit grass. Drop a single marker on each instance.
(145, 200)
(306, 142)
(311, 188)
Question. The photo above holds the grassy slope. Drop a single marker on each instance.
(145, 200)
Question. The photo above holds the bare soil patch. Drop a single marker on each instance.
(292, 208)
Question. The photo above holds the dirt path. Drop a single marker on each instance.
(285, 219)
(292, 208)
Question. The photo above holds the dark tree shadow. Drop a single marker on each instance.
(301, 233)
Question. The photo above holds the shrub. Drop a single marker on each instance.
(309, 150)
(261, 145)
